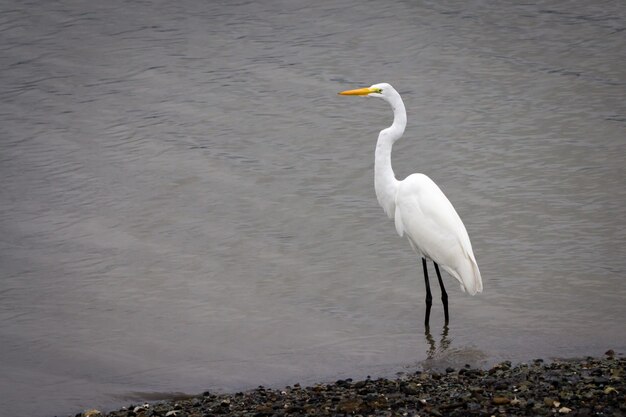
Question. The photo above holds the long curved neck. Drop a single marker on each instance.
(385, 181)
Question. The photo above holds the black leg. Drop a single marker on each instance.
(429, 296)
(444, 294)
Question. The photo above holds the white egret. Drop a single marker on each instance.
(420, 209)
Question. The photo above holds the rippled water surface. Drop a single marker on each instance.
(186, 204)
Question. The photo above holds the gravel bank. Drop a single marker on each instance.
(581, 387)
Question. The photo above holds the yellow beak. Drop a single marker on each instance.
(359, 92)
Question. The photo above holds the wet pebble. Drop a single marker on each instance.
(501, 400)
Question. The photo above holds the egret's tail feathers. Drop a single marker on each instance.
(468, 276)
(478, 281)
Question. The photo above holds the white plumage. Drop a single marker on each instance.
(435, 230)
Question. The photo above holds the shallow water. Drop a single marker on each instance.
(186, 204)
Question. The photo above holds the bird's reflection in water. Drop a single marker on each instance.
(444, 342)
(442, 354)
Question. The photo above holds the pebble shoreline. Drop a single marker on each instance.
(580, 387)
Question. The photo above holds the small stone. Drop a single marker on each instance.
(600, 380)
(360, 384)
(411, 388)
(349, 406)
(172, 413)
(610, 353)
(501, 400)
(473, 406)
(589, 394)
(264, 410)
(435, 412)
(566, 395)
(342, 383)
(609, 390)
(92, 413)
(378, 402)
(564, 410)
(548, 401)
(616, 374)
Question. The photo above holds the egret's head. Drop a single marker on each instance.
(382, 90)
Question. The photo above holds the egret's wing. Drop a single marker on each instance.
(427, 216)
(432, 224)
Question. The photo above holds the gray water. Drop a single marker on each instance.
(186, 203)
